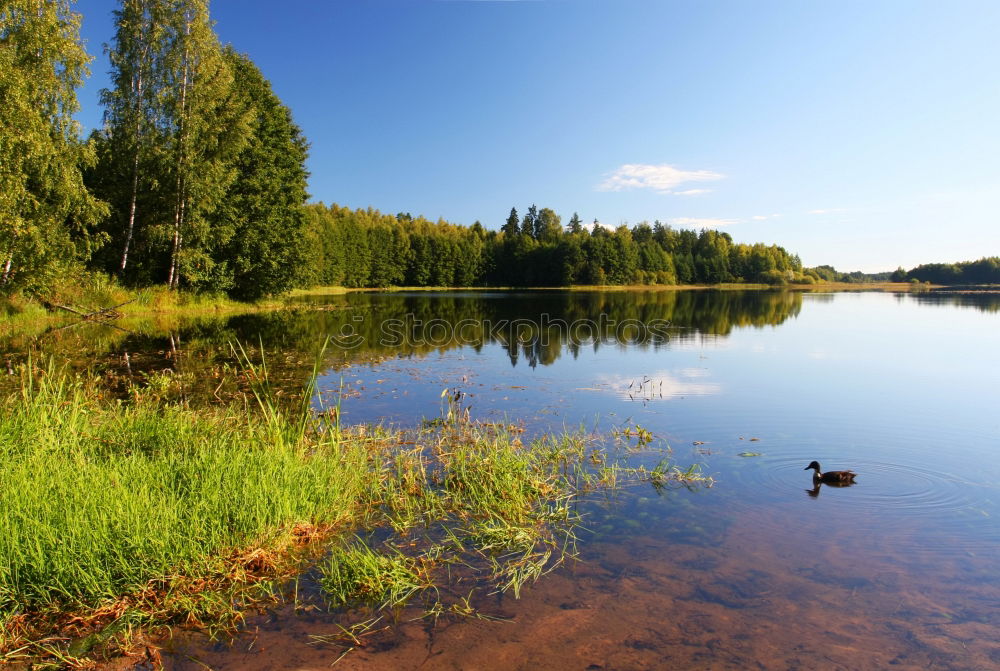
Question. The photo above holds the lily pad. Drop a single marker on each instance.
(751, 454)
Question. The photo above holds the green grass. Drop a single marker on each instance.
(89, 292)
(104, 501)
(358, 573)
(319, 291)
(481, 499)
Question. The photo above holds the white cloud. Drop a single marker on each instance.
(830, 210)
(595, 224)
(660, 178)
(692, 192)
(703, 222)
(764, 217)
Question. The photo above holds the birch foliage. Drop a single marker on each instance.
(45, 210)
(174, 125)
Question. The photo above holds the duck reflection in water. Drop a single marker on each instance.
(814, 492)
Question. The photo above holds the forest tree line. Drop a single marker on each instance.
(365, 248)
(984, 271)
(197, 180)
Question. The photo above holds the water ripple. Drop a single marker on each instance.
(883, 485)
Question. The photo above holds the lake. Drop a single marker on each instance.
(762, 570)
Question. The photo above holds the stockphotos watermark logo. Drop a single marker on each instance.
(411, 331)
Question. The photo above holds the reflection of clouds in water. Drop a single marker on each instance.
(692, 341)
(661, 384)
(693, 372)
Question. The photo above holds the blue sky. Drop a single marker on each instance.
(861, 134)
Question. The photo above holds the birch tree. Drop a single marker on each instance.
(132, 118)
(45, 210)
(173, 127)
(209, 126)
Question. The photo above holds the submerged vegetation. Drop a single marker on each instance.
(120, 516)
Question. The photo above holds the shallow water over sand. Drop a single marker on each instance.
(758, 597)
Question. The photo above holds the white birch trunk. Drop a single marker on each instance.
(174, 279)
(6, 268)
(137, 90)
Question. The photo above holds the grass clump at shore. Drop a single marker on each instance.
(474, 500)
(111, 507)
(359, 573)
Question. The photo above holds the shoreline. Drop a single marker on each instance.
(732, 286)
(159, 301)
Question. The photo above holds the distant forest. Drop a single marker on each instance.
(197, 180)
(365, 248)
(983, 271)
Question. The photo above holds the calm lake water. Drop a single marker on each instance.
(901, 570)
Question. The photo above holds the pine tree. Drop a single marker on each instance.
(512, 226)
(528, 223)
(263, 208)
(575, 225)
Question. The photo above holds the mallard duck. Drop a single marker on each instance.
(832, 477)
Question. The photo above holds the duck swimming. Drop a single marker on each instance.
(832, 477)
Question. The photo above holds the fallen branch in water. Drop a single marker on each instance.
(103, 313)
